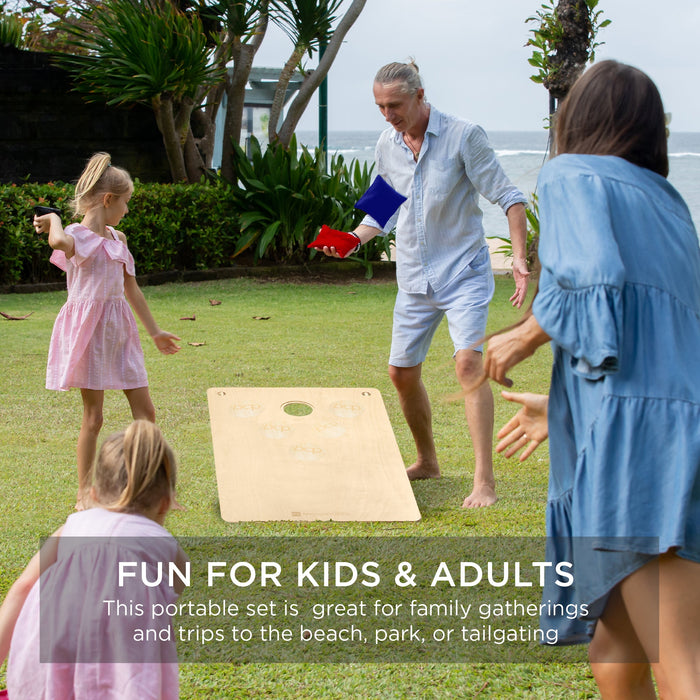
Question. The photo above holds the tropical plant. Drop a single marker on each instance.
(533, 235)
(564, 41)
(40, 22)
(284, 195)
(221, 33)
(146, 51)
(11, 31)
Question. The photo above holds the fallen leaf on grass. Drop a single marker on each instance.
(196, 345)
(15, 318)
(262, 318)
(188, 318)
(214, 302)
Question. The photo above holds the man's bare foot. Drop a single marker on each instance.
(480, 497)
(423, 471)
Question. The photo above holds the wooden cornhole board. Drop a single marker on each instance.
(339, 462)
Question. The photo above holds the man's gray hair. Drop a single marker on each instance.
(404, 73)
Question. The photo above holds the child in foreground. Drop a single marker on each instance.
(91, 655)
(95, 342)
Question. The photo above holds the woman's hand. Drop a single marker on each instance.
(505, 350)
(527, 428)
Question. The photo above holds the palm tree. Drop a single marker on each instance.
(307, 23)
(172, 55)
(243, 25)
(146, 51)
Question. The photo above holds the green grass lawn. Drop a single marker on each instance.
(327, 335)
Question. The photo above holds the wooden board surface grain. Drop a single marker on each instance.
(307, 454)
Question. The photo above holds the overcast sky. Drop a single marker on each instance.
(473, 61)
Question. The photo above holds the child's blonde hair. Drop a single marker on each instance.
(135, 469)
(99, 178)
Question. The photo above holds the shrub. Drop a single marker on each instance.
(277, 208)
(284, 195)
(181, 227)
(24, 256)
(169, 227)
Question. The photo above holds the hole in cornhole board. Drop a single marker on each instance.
(297, 408)
(307, 453)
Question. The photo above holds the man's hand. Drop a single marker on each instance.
(362, 234)
(330, 252)
(521, 276)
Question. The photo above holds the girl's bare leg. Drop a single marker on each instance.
(93, 401)
(142, 407)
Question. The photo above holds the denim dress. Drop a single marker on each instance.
(619, 294)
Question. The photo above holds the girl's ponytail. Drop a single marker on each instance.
(99, 178)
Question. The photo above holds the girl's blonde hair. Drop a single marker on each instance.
(99, 178)
(135, 469)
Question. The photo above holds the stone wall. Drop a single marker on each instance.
(48, 131)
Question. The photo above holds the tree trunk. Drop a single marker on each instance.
(574, 48)
(314, 78)
(192, 159)
(204, 123)
(243, 56)
(280, 93)
(194, 163)
(165, 119)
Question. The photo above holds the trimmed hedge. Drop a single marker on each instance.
(169, 227)
(281, 201)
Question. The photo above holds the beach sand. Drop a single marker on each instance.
(499, 263)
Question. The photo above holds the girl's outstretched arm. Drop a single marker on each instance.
(14, 600)
(58, 238)
(165, 342)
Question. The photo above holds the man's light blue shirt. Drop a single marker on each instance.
(439, 228)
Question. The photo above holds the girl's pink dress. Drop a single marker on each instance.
(64, 618)
(95, 342)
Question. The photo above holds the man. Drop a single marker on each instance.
(441, 164)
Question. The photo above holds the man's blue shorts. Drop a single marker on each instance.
(465, 302)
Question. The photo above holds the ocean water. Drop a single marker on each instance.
(522, 154)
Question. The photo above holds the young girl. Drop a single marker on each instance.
(63, 642)
(95, 343)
